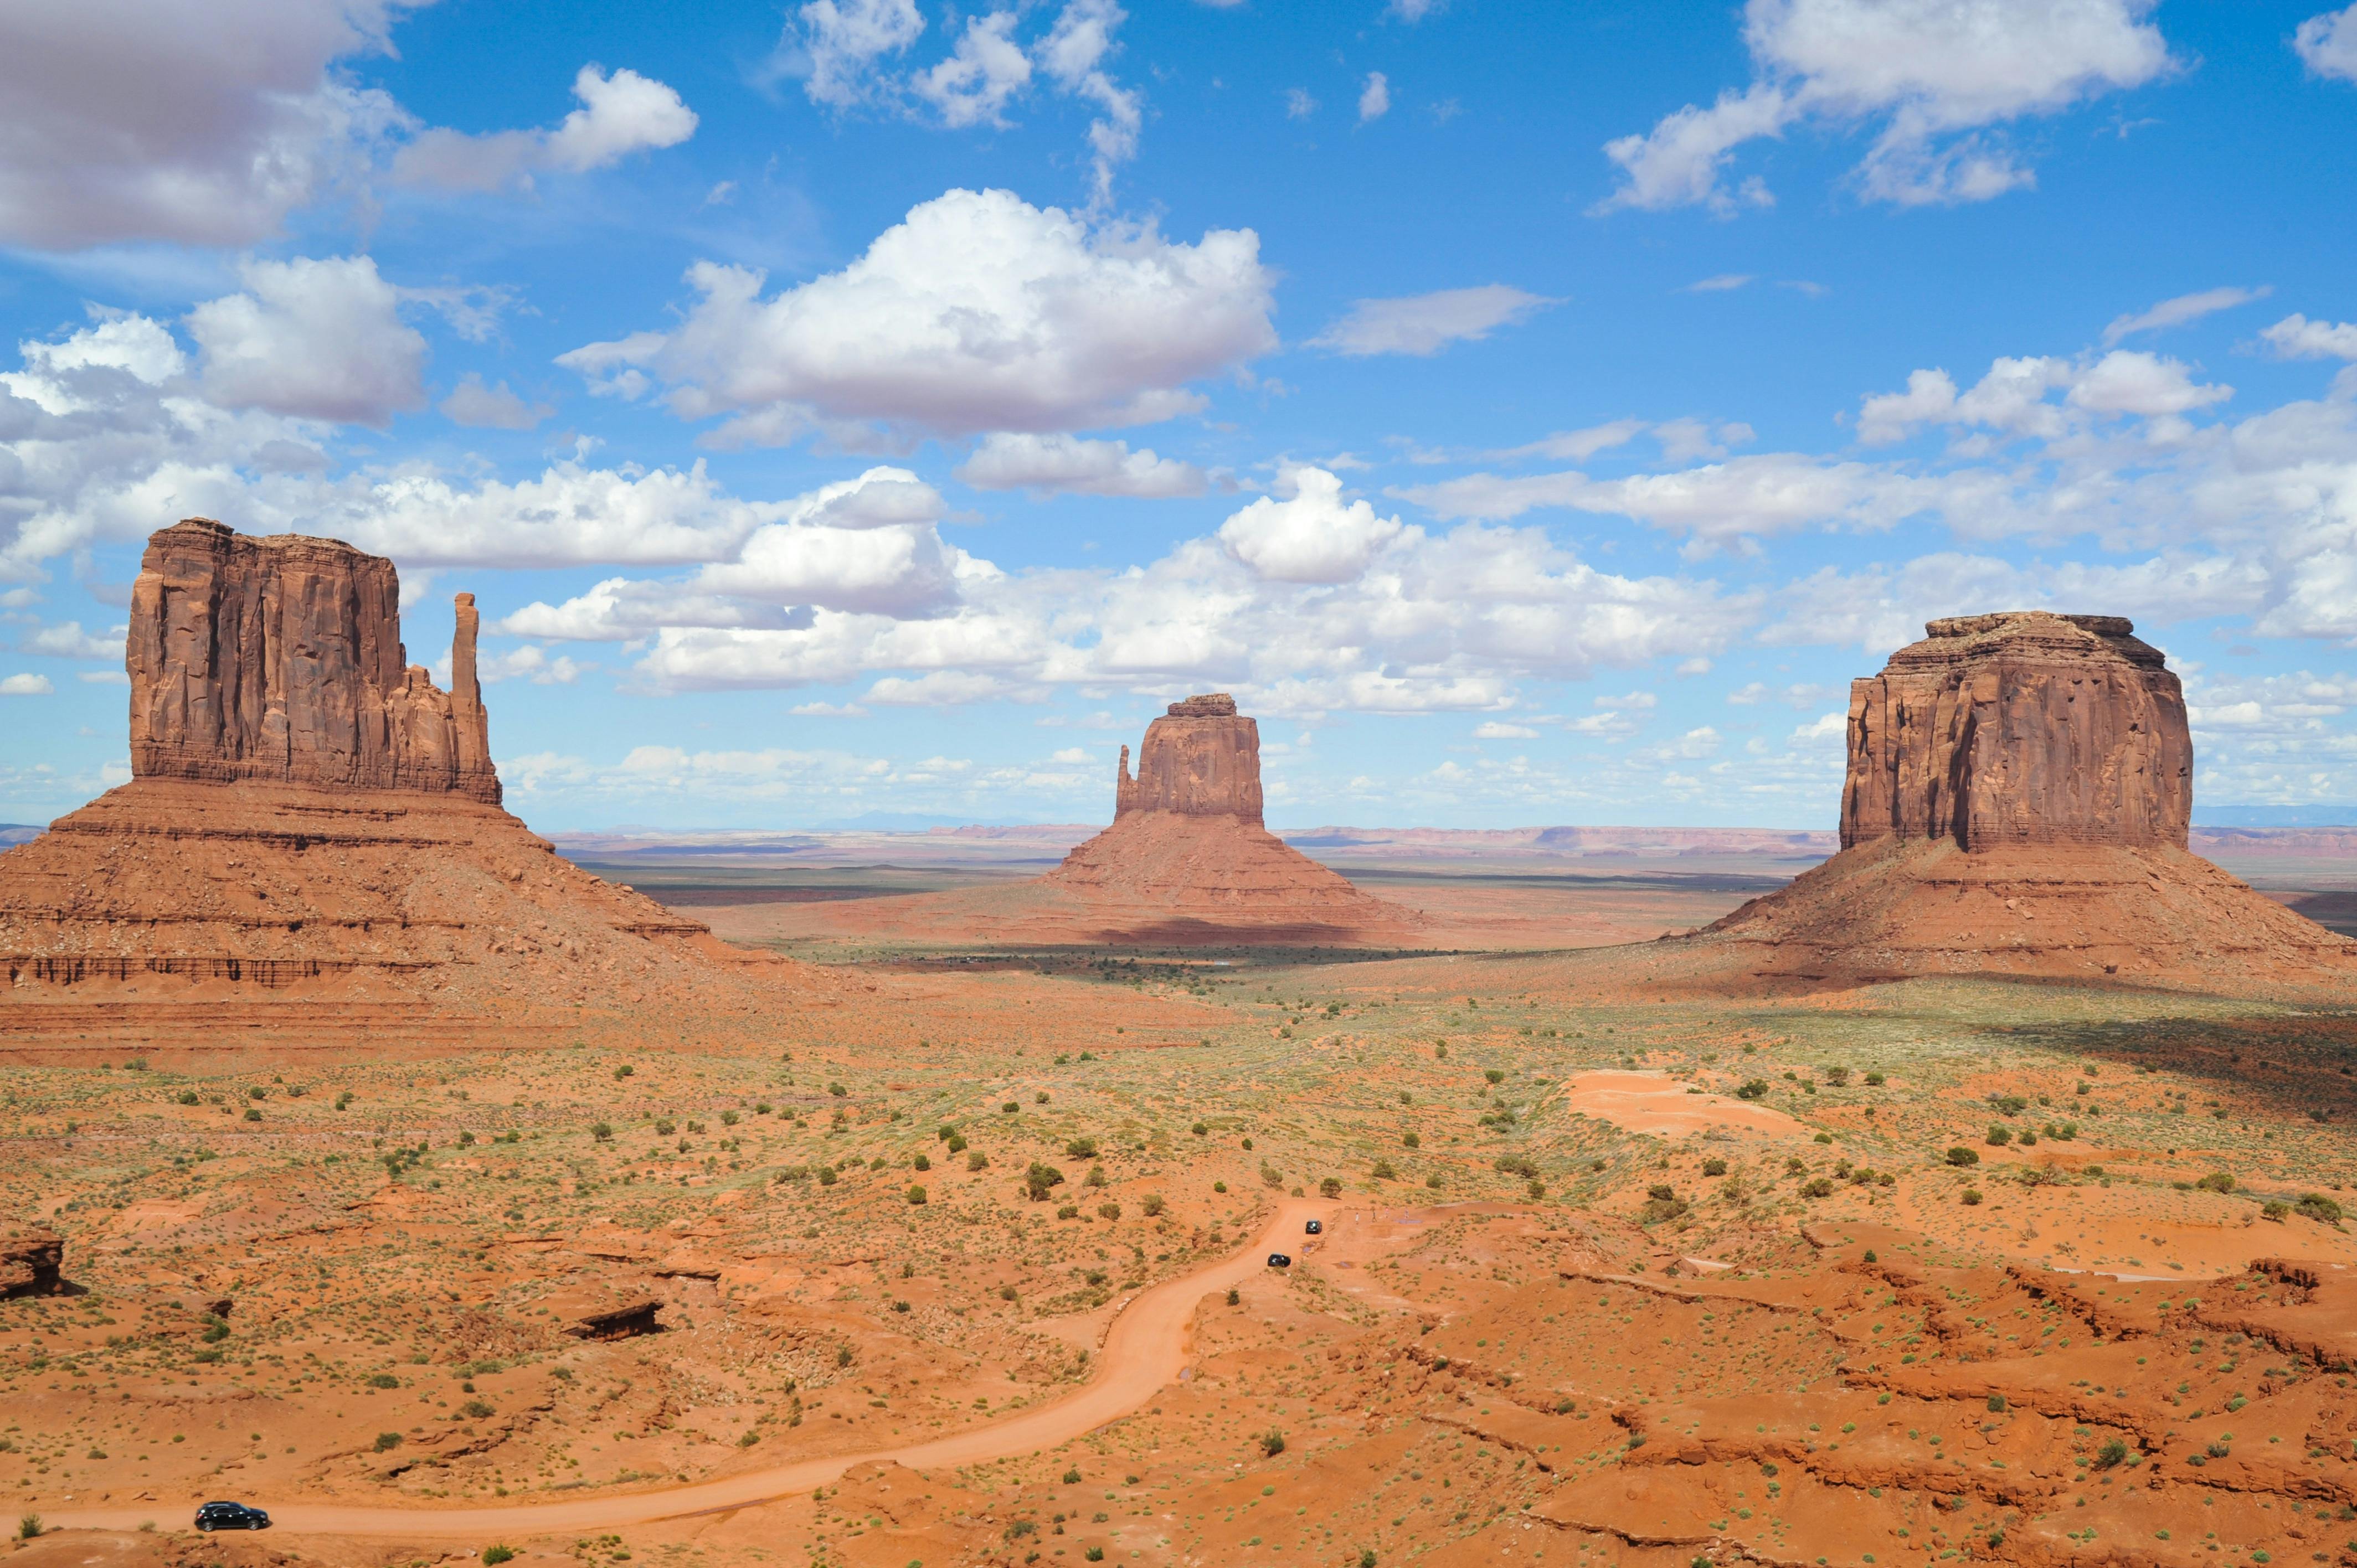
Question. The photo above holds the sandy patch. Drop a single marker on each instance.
(1649, 1103)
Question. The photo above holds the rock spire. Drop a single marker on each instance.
(279, 658)
(2021, 728)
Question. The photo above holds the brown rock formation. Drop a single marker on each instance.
(280, 658)
(2017, 805)
(1200, 759)
(1187, 861)
(30, 1261)
(312, 824)
(2021, 728)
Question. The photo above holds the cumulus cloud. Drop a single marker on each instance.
(2014, 398)
(976, 312)
(533, 664)
(1494, 730)
(25, 686)
(478, 408)
(69, 641)
(2177, 312)
(1934, 77)
(1311, 537)
(2298, 337)
(988, 68)
(194, 124)
(1426, 323)
(1375, 97)
(317, 339)
(1066, 464)
(619, 114)
(836, 47)
(2328, 44)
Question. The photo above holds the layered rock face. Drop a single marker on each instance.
(280, 658)
(1202, 758)
(312, 824)
(2021, 728)
(2017, 804)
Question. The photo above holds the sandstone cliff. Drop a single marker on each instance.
(2021, 728)
(280, 658)
(2016, 805)
(1202, 758)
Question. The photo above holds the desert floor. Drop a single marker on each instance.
(971, 1271)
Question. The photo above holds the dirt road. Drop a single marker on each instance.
(1144, 1350)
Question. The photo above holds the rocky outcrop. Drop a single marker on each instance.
(1202, 758)
(280, 658)
(30, 1259)
(2021, 728)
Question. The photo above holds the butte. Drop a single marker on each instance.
(312, 839)
(2019, 790)
(1188, 862)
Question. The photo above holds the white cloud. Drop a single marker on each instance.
(200, 126)
(25, 686)
(2328, 44)
(2013, 398)
(69, 641)
(1312, 537)
(977, 312)
(533, 664)
(2298, 337)
(988, 68)
(476, 406)
(1072, 54)
(1374, 98)
(1576, 445)
(1066, 464)
(1414, 11)
(1298, 104)
(1426, 323)
(1496, 731)
(317, 339)
(1934, 76)
(838, 45)
(2148, 384)
(1719, 284)
(2185, 307)
(619, 114)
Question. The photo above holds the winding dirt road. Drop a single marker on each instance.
(1144, 1350)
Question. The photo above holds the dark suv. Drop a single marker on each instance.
(230, 1516)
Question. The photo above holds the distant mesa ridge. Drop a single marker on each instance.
(280, 658)
(2021, 727)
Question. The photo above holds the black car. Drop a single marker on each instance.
(1315, 1227)
(1279, 1261)
(230, 1516)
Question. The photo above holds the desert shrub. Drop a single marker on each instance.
(1959, 1155)
(2318, 1206)
(2114, 1451)
(1081, 1148)
(189, 1097)
(2216, 1181)
(2277, 1209)
(827, 1176)
(1199, 1129)
(476, 1409)
(384, 1380)
(1440, 1050)
(1433, 1181)
(2027, 1139)
(1714, 1167)
(1661, 1202)
(2062, 1132)
(1009, 1106)
(1068, 1211)
(916, 1195)
(2008, 1104)
(1331, 1188)
(1219, 1187)
(1495, 1075)
(729, 1117)
(1236, 1297)
(921, 1163)
(1153, 1204)
(1998, 1136)
(1096, 1176)
(1875, 1080)
(1971, 1196)
(1534, 1189)
(602, 1131)
(1753, 1089)
(1039, 1179)
(1270, 1175)
(1411, 1140)
(1383, 1171)
(495, 1555)
(1108, 1210)
(1271, 1442)
(1817, 1187)
(625, 1071)
(975, 1160)
(1517, 1165)
(386, 1441)
(837, 1091)
(1838, 1077)
(29, 1527)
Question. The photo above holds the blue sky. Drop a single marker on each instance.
(1534, 414)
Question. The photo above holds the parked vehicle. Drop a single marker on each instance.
(230, 1516)
(1279, 1261)
(1315, 1227)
